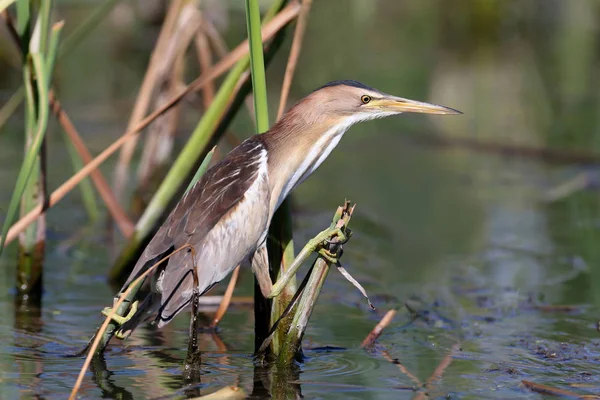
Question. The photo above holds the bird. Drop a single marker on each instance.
(225, 216)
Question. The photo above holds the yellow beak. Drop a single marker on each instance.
(400, 105)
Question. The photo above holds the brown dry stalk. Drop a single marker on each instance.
(269, 29)
(142, 101)
(549, 390)
(205, 60)
(376, 332)
(215, 38)
(168, 74)
(221, 50)
(110, 315)
(227, 296)
(294, 55)
(123, 222)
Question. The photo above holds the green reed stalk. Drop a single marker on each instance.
(30, 188)
(281, 250)
(257, 66)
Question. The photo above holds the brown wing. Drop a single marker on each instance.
(220, 189)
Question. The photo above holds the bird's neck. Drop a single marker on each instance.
(296, 151)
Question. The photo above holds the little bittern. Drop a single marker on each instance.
(226, 215)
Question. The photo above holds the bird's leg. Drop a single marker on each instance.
(120, 320)
(260, 267)
(315, 244)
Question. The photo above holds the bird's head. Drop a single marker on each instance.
(301, 140)
(354, 102)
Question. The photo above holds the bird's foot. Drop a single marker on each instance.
(330, 236)
(332, 257)
(121, 320)
(335, 237)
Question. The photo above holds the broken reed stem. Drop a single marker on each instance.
(291, 342)
(269, 30)
(294, 55)
(134, 286)
(376, 332)
(114, 208)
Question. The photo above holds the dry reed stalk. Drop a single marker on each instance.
(551, 391)
(144, 97)
(205, 59)
(168, 74)
(221, 50)
(216, 40)
(110, 315)
(294, 55)
(114, 208)
(376, 332)
(269, 30)
(227, 296)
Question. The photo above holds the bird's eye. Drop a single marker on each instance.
(365, 99)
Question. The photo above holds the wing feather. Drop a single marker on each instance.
(211, 198)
